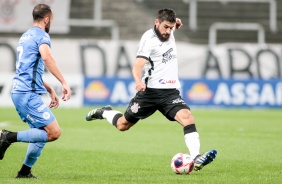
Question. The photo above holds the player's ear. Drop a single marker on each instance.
(157, 22)
(46, 19)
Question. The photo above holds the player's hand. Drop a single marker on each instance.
(141, 86)
(178, 24)
(66, 91)
(54, 100)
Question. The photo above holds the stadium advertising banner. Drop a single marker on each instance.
(16, 16)
(75, 82)
(200, 92)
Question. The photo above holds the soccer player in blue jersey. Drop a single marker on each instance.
(33, 54)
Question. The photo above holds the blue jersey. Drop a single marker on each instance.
(29, 64)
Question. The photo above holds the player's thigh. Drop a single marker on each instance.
(140, 107)
(53, 128)
(32, 109)
(172, 105)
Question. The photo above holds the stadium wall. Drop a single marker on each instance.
(109, 58)
(99, 72)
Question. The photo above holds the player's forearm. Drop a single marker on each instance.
(137, 69)
(48, 87)
(54, 69)
(137, 74)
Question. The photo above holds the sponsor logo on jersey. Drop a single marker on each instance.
(167, 56)
(163, 81)
(178, 100)
(30, 118)
(39, 109)
(134, 108)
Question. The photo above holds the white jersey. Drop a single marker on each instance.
(161, 70)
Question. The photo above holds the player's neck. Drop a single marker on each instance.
(39, 25)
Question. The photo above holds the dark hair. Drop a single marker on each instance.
(166, 15)
(40, 11)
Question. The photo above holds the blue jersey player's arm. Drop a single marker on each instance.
(51, 64)
(53, 95)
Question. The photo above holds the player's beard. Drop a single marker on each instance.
(162, 37)
(47, 27)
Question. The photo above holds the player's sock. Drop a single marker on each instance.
(12, 137)
(192, 140)
(32, 135)
(33, 152)
(112, 116)
(25, 170)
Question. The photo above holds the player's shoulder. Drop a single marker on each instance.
(41, 36)
(36, 33)
(149, 34)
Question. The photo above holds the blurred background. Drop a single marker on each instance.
(229, 51)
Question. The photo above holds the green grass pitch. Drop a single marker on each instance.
(248, 141)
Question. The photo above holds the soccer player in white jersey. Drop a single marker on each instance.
(33, 55)
(157, 89)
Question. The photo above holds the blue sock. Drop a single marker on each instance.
(33, 152)
(32, 135)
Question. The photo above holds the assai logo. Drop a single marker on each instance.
(96, 91)
(163, 81)
(199, 92)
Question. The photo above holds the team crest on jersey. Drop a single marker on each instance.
(134, 108)
(46, 115)
(167, 56)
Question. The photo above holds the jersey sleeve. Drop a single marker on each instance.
(45, 39)
(145, 47)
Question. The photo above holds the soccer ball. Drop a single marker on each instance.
(182, 163)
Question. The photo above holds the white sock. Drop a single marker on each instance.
(109, 115)
(192, 141)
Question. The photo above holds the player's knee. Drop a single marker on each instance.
(122, 128)
(191, 119)
(188, 120)
(54, 135)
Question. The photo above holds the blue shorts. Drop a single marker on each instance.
(32, 109)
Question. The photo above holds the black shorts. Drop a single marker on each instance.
(145, 103)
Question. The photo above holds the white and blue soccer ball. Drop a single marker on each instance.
(182, 163)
